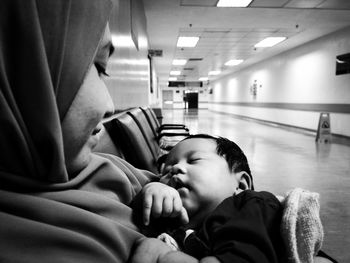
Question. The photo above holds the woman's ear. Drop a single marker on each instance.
(244, 181)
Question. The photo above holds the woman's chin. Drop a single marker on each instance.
(80, 162)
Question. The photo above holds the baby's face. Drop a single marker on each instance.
(202, 177)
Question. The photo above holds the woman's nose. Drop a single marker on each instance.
(109, 105)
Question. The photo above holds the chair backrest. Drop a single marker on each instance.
(135, 147)
(152, 121)
(157, 114)
(146, 129)
(106, 144)
(152, 117)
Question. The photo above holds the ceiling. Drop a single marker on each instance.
(231, 33)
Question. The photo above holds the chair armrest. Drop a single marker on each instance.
(170, 134)
(173, 131)
(172, 126)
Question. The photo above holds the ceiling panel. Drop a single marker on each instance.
(303, 3)
(230, 39)
(268, 3)
(327, 4)
(335, 4)
(198, 2)
(237, 33)
(207, 34)
(232, 32)
(208, 40)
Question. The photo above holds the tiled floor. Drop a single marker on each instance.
(281, 159)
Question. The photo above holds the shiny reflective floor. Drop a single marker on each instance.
(282, 159)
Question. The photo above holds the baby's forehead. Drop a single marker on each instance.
(198, 143)
(191, 146)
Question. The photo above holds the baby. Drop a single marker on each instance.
(207, 184)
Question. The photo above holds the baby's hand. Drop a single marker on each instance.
(160, 200)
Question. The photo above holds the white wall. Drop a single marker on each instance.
(304, 75)
(129, 67)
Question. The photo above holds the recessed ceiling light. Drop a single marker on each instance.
(175, 72)
(179, 62)
(187, 41)
(172, 78)
(203, 79)
(270, 41)
(214, 72)
(233, 62)
(233, 3)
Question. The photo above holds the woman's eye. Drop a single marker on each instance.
(101, 70)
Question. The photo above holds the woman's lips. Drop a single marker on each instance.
(95, 136)
(97, 129)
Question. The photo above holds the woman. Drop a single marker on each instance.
(58, 201)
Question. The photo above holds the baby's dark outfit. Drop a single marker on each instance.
(243, 228)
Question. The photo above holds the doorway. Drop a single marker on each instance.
(192, 100)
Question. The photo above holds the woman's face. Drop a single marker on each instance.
(82, 123)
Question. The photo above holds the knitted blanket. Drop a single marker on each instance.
(301, 226)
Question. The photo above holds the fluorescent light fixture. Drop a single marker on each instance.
(175, 72)
(233, 3)
(214, 72)
(172, 78)
(187, 41)
(233, 62)
(270, 41)
(203, 79)
(122, 41)
(179, 62)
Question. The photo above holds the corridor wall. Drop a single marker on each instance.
(291, 88)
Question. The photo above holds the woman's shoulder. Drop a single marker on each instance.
(127, 167)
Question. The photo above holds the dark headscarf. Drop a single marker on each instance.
(46, 48)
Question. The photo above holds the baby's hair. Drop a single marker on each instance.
(233, 154)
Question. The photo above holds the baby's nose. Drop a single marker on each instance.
(178, 168)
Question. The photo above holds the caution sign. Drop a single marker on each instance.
(324, 129)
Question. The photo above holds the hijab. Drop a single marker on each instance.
(46, 48)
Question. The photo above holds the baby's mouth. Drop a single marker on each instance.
(177, 183)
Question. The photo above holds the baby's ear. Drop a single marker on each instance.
(244, 181)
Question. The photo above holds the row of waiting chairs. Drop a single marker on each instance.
(136, 136)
